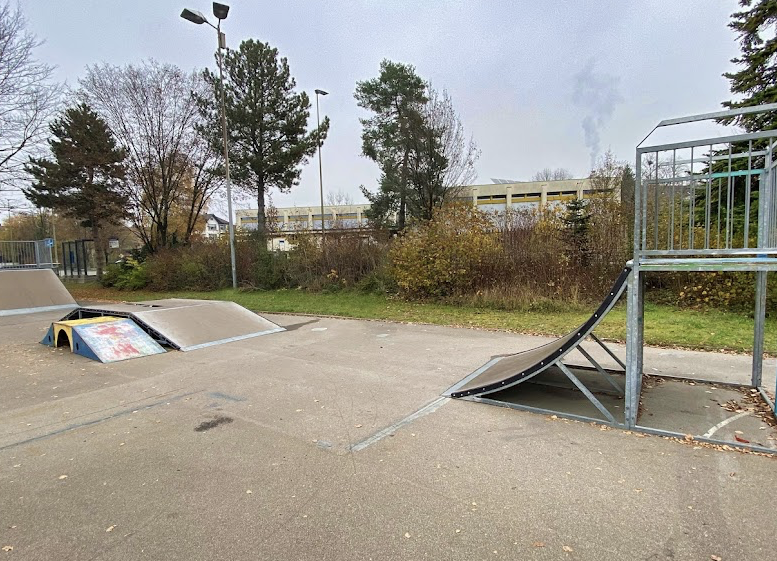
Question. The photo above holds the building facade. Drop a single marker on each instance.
(495, 197)
(290, 219)
(214, 226)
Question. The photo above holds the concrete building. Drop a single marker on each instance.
(496, 197)
(290, 219)
(492, 197)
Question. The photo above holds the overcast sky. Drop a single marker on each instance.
(535, 82)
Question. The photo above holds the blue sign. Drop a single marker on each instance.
(49, 242)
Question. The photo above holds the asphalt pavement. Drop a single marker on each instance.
(331, 441)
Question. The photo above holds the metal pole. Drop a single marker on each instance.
(226, 157)
(320, 172)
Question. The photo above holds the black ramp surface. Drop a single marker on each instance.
(506, 371)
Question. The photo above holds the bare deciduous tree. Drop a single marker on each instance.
(548, 174)
(27, 97)
(151, 111)
(442, 158)
(338, 198)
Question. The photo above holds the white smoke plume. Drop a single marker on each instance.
(597, 95)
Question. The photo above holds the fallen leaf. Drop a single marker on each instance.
(567, 549)
(716, 558)
(358, 426)
(110, 528)
(407, 534)
(7, 548)
(63, 477)
(740, 439)
(249, 492)
(538, 544)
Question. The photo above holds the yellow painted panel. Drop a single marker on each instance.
(67, 327)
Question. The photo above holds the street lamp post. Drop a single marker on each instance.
(320, 172)
(220, 11)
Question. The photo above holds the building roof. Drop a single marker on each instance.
(216, 218)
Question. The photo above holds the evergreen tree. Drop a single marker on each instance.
(396, 98)
(756, 79)
(267, 121)
(85, 177)
(575, 221)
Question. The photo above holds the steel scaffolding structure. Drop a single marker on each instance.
(702, 205)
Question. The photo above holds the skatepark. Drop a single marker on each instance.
(238, 435)
(318, 451)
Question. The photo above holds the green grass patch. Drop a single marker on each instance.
(665, 326)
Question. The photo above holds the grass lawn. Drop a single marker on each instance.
(665, 326)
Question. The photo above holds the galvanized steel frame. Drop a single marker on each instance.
(761, 259)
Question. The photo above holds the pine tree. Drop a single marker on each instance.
(756, 80)
(267, 121)
(575, 221)
(396, 98)
(85, 177)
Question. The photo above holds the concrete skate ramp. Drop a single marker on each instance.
(185, 324)
(509, 370)
(27, 291)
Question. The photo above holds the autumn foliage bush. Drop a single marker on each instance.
(352, 259)
(455, 252)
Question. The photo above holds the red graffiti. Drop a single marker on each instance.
(126, 349)
(107, 329)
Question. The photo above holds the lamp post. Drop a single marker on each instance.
(220, 11)
(320, 172)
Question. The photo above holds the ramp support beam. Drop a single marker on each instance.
(598, 404)
(601, 370)
(608, 351)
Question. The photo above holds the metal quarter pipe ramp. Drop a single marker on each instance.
(185, 324)
(506, 371)
(27, 291)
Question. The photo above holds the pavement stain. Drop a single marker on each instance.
(213, 423)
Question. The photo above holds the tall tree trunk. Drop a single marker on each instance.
(403, 191)
(261, 227)
(99, 248)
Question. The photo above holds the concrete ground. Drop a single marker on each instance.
(291, 446)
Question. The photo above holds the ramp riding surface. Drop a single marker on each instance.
(185, 324)
(105, 339)
(26, 291)
(506, 371)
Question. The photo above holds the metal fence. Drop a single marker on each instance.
(33, 254)
(708, 197)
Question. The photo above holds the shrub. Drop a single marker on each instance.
(730, 290)
(346, 260)
(126, 274)
(454, 252)
(200, 266)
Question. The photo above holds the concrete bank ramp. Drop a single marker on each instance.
(28, 291)
(186, 324)
(506, 371)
